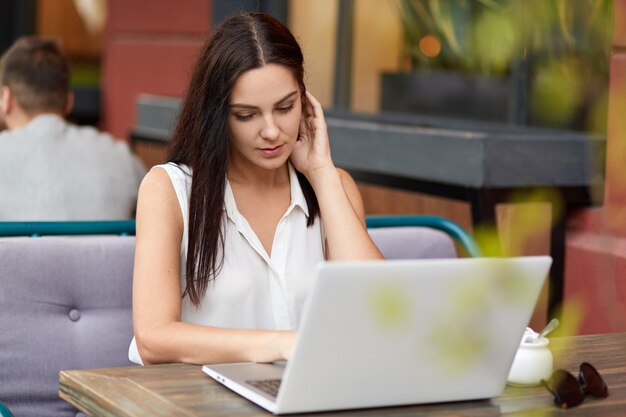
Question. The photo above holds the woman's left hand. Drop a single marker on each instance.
(311, 153)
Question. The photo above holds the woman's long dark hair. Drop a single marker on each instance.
(201, 137)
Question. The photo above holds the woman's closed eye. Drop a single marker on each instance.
(285, 109)
(244, 117)
(249, 115)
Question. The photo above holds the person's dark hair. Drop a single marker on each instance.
(201, 137)
(37, 73)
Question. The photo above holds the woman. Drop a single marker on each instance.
(229, 232)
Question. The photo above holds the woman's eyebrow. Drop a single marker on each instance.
(249, 106)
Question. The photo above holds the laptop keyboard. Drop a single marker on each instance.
(269, 386)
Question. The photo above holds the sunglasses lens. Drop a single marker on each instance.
(591, 381)
(567, 392)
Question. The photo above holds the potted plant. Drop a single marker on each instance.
(502, 60)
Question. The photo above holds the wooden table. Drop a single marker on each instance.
(184, 390)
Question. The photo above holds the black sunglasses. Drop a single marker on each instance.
(569, 391)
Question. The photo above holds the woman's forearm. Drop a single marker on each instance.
(190, 343)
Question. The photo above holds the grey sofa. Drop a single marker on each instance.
(65, 303)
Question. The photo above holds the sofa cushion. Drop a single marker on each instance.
(413, 243)
(65, 303)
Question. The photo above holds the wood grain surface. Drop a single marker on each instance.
(184, 390)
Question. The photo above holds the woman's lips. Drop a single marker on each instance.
(272, 152)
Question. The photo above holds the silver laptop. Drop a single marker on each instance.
(385, 333)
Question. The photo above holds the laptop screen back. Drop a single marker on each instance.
(405, 332)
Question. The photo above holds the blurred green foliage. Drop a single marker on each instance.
(488, 35)
(567, 44)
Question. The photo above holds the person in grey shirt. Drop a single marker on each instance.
(51, 169)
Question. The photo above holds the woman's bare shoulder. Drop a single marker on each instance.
(157, 190)
(157, 176)
(157, 181)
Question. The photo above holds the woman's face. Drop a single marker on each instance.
(264, 116)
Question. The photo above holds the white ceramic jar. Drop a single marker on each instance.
(533, 361)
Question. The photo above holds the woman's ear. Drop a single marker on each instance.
(6, 104)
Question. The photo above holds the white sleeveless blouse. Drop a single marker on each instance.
(252, 290)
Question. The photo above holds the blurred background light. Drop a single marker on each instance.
(430, 46)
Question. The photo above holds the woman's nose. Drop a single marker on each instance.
(270, 129)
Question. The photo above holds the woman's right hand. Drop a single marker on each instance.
(311, 153)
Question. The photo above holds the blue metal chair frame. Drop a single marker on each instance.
(35, 229)
(451, 228)
(4, 411)
(127, 227)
